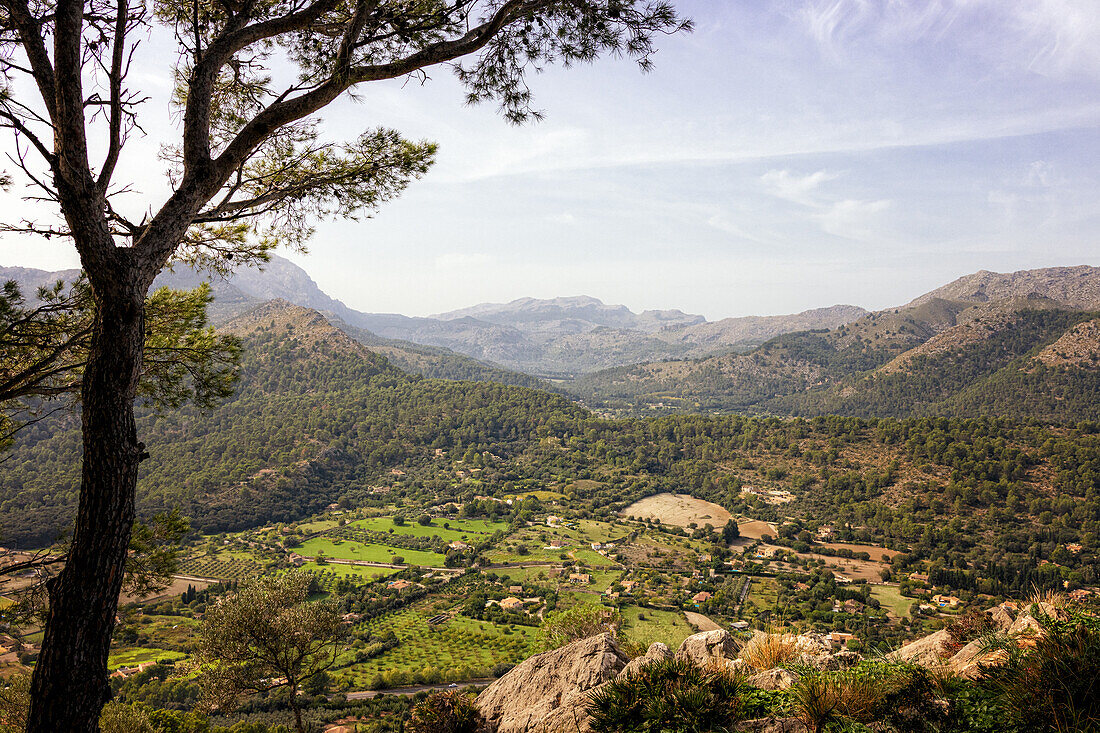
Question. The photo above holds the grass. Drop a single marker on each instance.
(460, 529)
(320, 525)
(365, 574)
(136, 656)
(669, 627)
(351, 550)
(892, 600)
(768, 651)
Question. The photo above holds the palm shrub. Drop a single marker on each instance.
(445, 712)
(898, 694)
(668, 696)
(579, 622)
(1055, 684)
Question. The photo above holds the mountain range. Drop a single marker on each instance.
(560, 337)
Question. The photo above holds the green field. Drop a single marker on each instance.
(358, 572)
(892, 600)
(460, 529)
(458, 644)
(669, 627)
(222, 565)
(134, 657)
(351, 550)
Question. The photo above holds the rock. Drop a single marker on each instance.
(707, 647)
(967, 661)
(773, 679)
(772, 725)
(738, 666)
(1002, 619)
(929, 651)
(656, 652)
(843, 659)
(547, 692)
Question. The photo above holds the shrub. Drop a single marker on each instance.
(668, 695)
(445, 712)
(1053, 685)
(969, 626)
(579, 622)
(768, 651)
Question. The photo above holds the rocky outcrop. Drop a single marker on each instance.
(969, 660)
(656, 652)
(773, 679)
(930, 651)
(708, 647)
(1002, 618)
(548, 691)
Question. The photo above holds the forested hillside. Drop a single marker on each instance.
(1020, 357)
(319, 418)
(316, 415)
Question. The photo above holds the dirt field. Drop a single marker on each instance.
(177, 587)
(701, 622)
(876, 553)
(678, 509)
(756, 529)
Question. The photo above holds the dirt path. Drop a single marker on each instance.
(701, 622)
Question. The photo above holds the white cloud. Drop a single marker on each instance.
(799, 189)
(850, 218)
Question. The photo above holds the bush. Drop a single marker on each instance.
(445, 712)
(668, 696)
(1052, 686)
(578, 622)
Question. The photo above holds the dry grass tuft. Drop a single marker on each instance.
(768, 651)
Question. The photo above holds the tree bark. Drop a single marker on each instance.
(70, 686)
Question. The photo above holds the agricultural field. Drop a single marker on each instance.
(457, 644)
(221, 565)
(892, 600)
(457, 529)
(361, 573)
(678, 509)
(351, 550)
(647, 625)
(134, 657)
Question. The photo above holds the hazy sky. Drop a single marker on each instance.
(786, 155)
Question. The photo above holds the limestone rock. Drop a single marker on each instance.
(548, 691)
(929, 651)
(773, 679)
(656, 652)
(708, 647)
(967, 661)
(1002, 619)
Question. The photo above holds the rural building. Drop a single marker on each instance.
(400, 584)
(515, 589)
(580, 578)
(701, 597)
(941, 601)
(918, 577)
(456, 545)
(840, 638)
(511, 604)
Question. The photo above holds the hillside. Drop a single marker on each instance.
(977, 355)
(316, 415)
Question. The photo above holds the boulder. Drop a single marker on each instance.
(968, 660)
(656, 652)
(1002, 618)
(843, 659)
(929, 651)
(773, 679)
(772, 725)
(708, 647)
(548, 691)
(1026, 625)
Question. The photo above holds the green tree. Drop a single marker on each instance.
(268, 636)
(248, 171)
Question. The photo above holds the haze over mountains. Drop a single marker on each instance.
(557, 337)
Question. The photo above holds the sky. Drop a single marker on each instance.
(786, 155)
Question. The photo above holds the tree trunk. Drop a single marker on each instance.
(70, 686)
